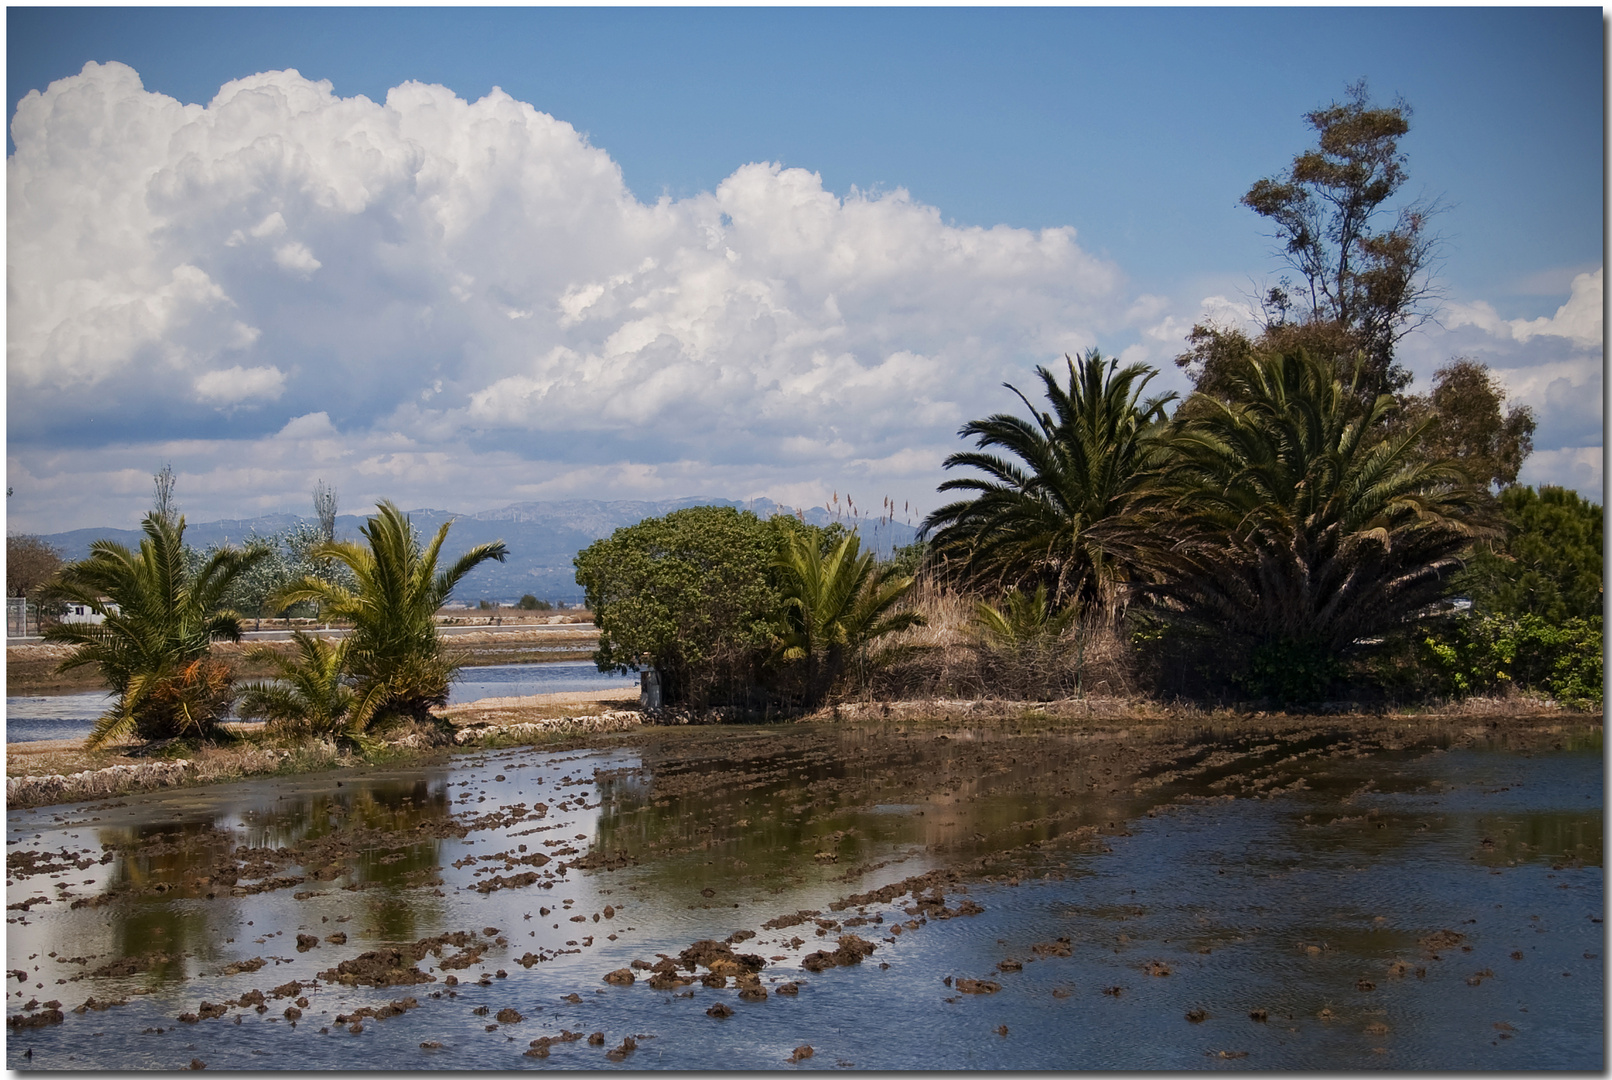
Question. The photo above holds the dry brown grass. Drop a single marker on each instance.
(945, 658)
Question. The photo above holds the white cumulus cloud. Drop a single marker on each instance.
(466, 275)
(237, 384)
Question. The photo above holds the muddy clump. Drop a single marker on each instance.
(384, 1012)
(621, 977)
(307, 941)
(509, 1016)
(95, 1004)
(42, 1018)
(241, 967)
(801, 1054)
(719, 1011)
(380, 967)
(719, 958)
(977, 986)
(851, 950)
(135, 965)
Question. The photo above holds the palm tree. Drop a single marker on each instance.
(393, 654)
(310, 696)
(1063, 513)
(160, 617)
(1302, 525)
(835, 605)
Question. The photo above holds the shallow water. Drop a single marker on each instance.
(70, 716)
(1339, 858)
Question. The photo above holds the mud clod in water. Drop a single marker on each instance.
(977, 986)
(720, 1011)
(43, 1018)
(852, 950)
(801, 1054)
(719, 958)
(380, 967)
(621, 977)
(628, 1045)
(509, 1016)
(1196, 1016)
(307, 941)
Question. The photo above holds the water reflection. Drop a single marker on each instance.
(1282, 873)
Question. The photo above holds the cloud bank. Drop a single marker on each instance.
(460, 304)
(449, 282)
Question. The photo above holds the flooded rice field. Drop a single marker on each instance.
(1004, 897)
(71, 716)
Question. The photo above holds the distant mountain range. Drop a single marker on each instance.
(542, 537)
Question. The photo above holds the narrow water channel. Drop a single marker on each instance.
(70, 716)
(1034, 898)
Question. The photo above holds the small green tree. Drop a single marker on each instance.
(689, 594)
(1549, 563)
(159, 620)
(532, 603)
(393, 654)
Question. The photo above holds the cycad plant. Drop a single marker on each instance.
(160, 617)
(393, 655)
(1301, 526)
(835, 605)
(309, 696)
(1023, 619)
(1024, 636)
(1058, 507)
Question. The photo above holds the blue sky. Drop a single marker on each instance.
(965, 193)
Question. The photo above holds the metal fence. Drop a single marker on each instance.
(22, 617)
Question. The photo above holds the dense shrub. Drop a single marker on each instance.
(1549, 562)
(1478, 654)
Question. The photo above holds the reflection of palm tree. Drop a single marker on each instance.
(1063, 513)
(159, 618)
(393, 653)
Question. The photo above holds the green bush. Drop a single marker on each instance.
(1292, 672)
(1477, 654)
(1549, 563)
(696, 595)
(532, 603)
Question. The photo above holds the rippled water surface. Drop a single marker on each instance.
(1304, 899)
